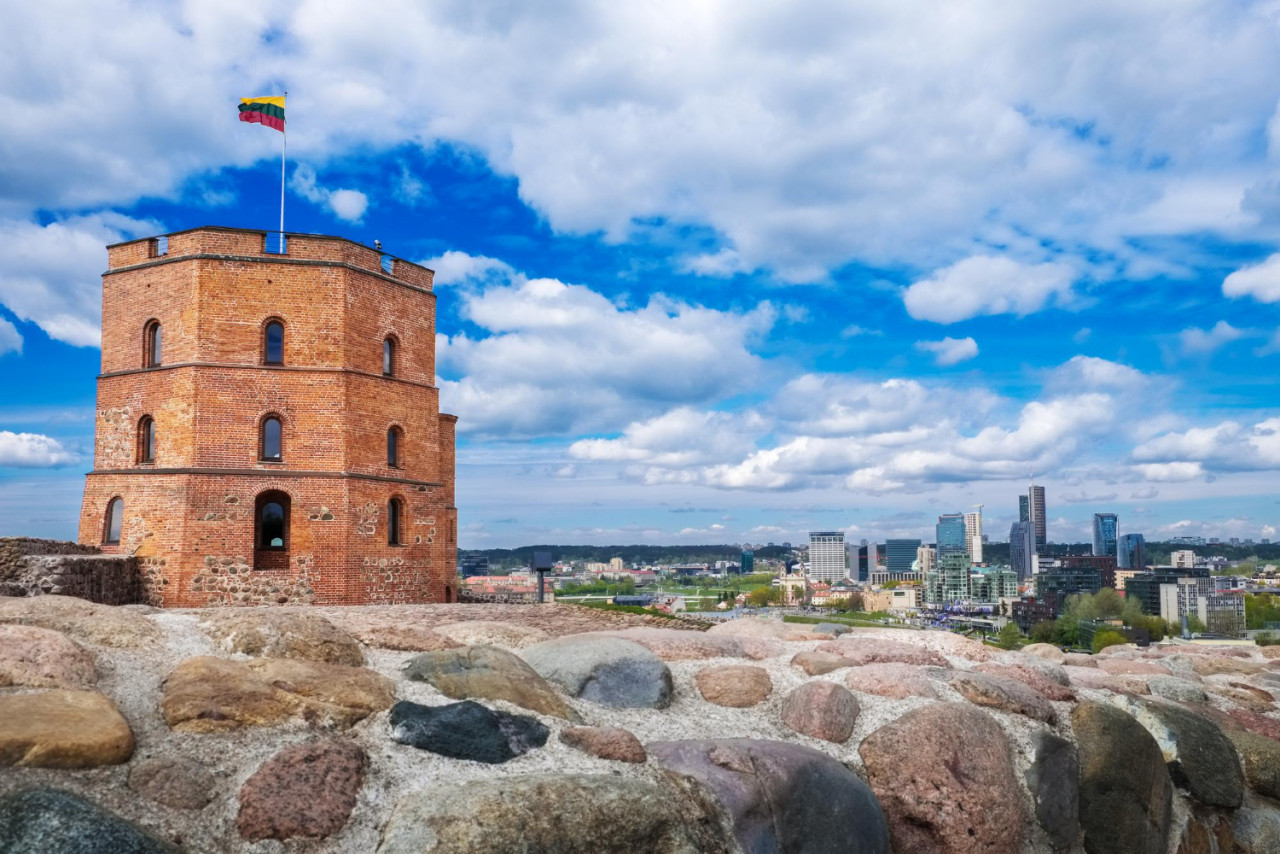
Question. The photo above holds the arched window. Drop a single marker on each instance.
(272, 521)
(388, 357)
(393, 446)
(114, 522)
(273, 343)
(272, 439)
(152, 344)
(147, 440)
(395, 510)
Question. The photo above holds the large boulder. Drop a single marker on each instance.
(1054, 782)
(1047, 651)
(43, 658)
(1256, 828)
(206, 694)
(269, 633)
(62, 729)
(1126, 795)
(822, 710)
(682, 645)
(466, 730)
(767, 627)
(608, 671)
(307, 790)
(781, 797)
(944, 774)
(1200, 758)
(891, 680)
(389, 629)
(106, 625)
(553, 814)
(493, 633)
(859, 650)
(737, 686)
(1033, 678)
(175, 781)
(820, 663)
(53, 821)
(488, 673)
(1003, 693)
(1261, 757)
(1215, 665)
(1131, 667)
(1177, 689)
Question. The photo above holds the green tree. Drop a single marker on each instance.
(1044, 631)
(1106, 638)
(762, 596)
(1009, 637)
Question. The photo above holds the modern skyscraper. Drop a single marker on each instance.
(826, 555)
(1131, 552)
(1035, 498)
(950, 533)
(1104, 534)
(900, 554)
(1024, 513)
(748, 563)
(973, 534)
(1019, 554)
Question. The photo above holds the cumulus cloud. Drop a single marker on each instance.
(1144, 494)
(988, 284)
(557, 358)
(1089, 373)
(51, 275)
(1226, 446)
(457, 268)
(950, 351)
(1260, 281)
(33, 450)
(1202, 342)
(346, 204)
(10, 338)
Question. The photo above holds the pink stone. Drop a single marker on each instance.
(822, 710)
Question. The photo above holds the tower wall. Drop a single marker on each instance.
(191, 513)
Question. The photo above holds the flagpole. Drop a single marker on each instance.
(284, 147)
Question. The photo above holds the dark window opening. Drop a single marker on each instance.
(147, 440)
(115, 522)
(388, 264)
(393, 447)
(273, 344)
(271, 439)
(159, 247)
(388, 358)
(393, 522)
(153, 345)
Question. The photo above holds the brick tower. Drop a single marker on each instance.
(268, 426)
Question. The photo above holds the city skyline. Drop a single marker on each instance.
(709, 298)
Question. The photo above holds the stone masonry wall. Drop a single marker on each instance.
(30, 567)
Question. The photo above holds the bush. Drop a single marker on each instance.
(1106, 638)
(1009, 637)
(1044, 631)
(1266, 639)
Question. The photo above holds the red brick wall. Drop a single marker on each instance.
(189, 516)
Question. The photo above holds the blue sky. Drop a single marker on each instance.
(708, 272)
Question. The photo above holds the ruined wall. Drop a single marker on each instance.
(31, 567)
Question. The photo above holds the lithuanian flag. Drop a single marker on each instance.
(268, 111)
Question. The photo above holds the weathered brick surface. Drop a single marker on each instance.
(189, 514)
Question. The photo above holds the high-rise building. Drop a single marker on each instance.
(1024, 511)
(949, 580)
(1131, 552)
(748, 563)
(826, 555)
(900, 554)
(926, 559)
(1104, 534)
(1019, 552)
(1184, 559)
(973, 534)
(950, 534)
(1035, 510)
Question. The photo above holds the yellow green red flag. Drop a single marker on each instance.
(268, 110)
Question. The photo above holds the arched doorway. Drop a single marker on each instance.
(271, 530)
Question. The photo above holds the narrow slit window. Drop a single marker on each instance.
(273, 344)
(271, 439)
(153, 345)
(147, 440)
(393, 522)
(393, 447)
(388, 357)
(114, 523)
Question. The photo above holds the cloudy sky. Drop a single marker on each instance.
(708, 271)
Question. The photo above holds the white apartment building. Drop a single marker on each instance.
(826, 555)
(973, 535)
(926, 559)
(1185, 559)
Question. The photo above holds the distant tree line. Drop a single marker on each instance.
(635, 554)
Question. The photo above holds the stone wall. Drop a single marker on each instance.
(30, 567)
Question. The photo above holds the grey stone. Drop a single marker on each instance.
(53, 821)
(608, 671)
(466, 730)
(1256, 828)
(555, 814)
(830, 629)
(176, 782)
(1126, 796)
(1201, 759)
(781, 797)
(1054, 782)
(488, 673)
(1176, 688)
(1261, 757)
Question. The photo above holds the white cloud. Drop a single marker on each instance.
(1144, 494)
(457, 268)
(559, 358)
(10, 338)
(345, 204)
(32, 450)
(854, 330)
(987, 284)
(51, 275)
(1170, 472)
(1260, 281)
(950, 351)
(1085, 498)
(1202, 342)
(1227, 446)
(1089, 373)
